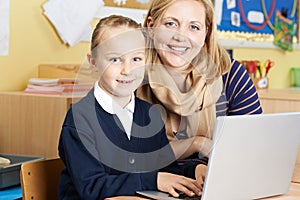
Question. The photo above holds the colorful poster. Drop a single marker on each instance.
(256, 16)
(284, 32)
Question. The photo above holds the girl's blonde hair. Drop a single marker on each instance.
(112, 21)
(218, 57)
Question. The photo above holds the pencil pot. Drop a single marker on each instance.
(295, 77)
(261, 83)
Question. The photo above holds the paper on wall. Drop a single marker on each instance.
(4, 27)
(231, 4)
(218, 11)
(71, 18)
(255, 17)
(235, 19)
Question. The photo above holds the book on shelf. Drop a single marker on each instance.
(43, 82)
(57, 86)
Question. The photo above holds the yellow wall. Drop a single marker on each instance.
(33, 41)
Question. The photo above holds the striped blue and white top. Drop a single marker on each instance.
(239, 96)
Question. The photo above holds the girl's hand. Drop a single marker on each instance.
(173, 184)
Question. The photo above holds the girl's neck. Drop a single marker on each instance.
(122, 101)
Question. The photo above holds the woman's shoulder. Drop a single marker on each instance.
(234, 67)
(236, 70)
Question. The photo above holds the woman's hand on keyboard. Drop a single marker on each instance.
(200, 173)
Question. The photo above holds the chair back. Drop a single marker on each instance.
(39, 179)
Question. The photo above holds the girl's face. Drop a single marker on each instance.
(180, 34)
(120, 61)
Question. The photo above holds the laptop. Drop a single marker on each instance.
(253, 157)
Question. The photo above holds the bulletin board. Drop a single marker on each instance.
(232, 9)
(251, 16)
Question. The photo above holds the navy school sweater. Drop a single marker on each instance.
(100, 161)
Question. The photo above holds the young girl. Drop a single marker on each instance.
(112, 143)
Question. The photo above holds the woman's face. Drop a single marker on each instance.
(180, 34)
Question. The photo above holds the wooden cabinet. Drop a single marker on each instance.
(31, 123)
(283, 100)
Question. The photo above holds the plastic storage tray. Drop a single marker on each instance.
(10, 174)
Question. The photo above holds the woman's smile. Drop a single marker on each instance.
(177, 49)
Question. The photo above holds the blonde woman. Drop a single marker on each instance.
(191, 76)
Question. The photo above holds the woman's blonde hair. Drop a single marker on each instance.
(112, 21)
(217, 55)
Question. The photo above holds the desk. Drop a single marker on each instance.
(296, 175)
(293, 194)
(31, 123)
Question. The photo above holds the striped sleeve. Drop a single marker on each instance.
(239, 96)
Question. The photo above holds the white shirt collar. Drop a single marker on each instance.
(107, 103)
